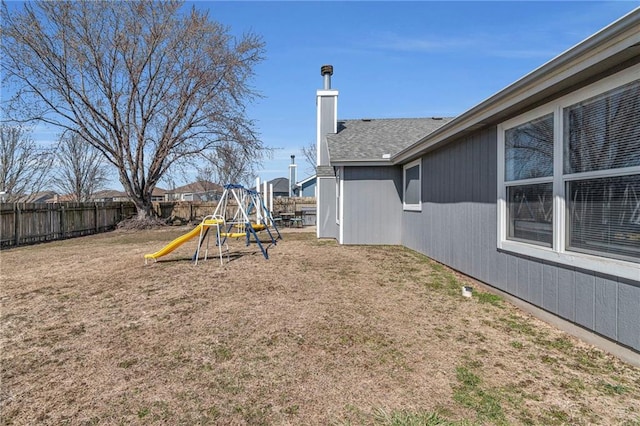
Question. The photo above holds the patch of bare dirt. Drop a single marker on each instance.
(318, 334)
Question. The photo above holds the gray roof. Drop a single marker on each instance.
(280, 185)
(325, 171)
(197, 187)
(370, 139)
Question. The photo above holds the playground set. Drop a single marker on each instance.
(240, 213)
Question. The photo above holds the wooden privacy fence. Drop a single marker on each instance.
(28, 223)
(194, 211)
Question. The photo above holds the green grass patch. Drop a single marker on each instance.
(485, 402)
(128, 363)
(609, 389)
(491, 299)
(562, 344)
(518, 325)
(411, 418)
(575, 386)
(516, 344)
(554, 416)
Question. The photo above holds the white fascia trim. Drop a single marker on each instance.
(356, 163)
(305, 180)
(327, 93)
(613, 39)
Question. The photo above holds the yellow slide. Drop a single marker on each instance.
(181, 240)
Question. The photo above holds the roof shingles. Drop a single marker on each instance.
(370, 140)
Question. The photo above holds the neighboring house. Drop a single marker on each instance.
(280, 187)
(158, 194)
(64, 198)
(535, 191)
(197, 191)
(110, 195)
(119, 196)
(38, 197)
(306, 187)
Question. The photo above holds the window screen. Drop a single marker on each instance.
(603, 132)
(412, 185)
(530, 213)
(604, 216)
(529, 150)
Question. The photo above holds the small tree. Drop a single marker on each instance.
(143, 82)
(79, 168)
(24, 167)
(310, 155)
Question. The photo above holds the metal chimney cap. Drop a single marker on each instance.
(326, 69)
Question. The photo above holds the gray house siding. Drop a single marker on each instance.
(327, 125)
(326, 208)
(372, 195)
(458, 227)
(308, 189)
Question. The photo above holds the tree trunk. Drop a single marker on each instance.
(144, 209)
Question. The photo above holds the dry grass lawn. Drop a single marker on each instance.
(318, 335)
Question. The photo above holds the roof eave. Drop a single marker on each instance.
(372, 162)
(614, 45)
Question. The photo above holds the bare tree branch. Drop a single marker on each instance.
(310, 155)
(79, 169)
(144, 83)
(23, 166)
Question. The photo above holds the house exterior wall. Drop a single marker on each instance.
(326, 209)
(372, 195)
(458, 227)
(327, 117)
(308, 189)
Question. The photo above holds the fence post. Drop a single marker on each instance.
(17, 223)
(95, 217)
(63, 222)
(51, 231)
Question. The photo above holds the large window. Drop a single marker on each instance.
(529, 180)
(412, 186)
(601, 144)
(569, 177)
(604, 216)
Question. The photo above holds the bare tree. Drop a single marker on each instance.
(23, 165)
(230, 165)
(310, 155)
(79, 168)
(143, 82)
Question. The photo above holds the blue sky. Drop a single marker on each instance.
(394, 59)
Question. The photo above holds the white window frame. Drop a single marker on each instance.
(417, 206)
(558, 253)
